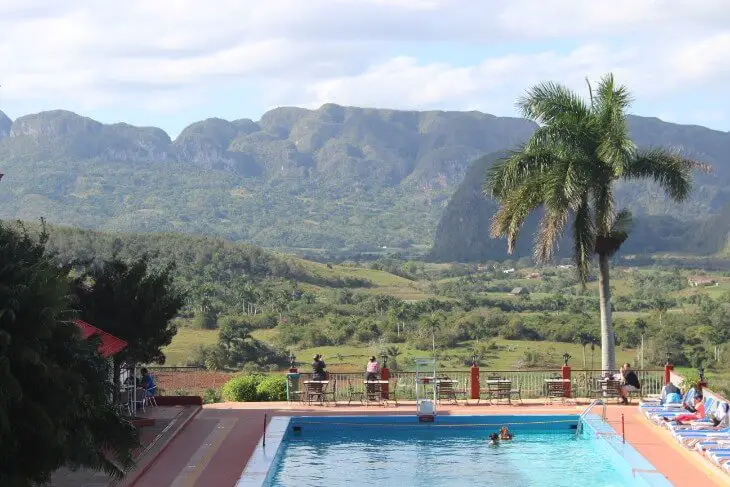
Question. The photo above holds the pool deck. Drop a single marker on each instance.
(213, 448)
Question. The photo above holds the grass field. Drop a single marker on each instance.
(504, 355)
(185, 342)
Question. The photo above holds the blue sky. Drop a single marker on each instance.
(168, 63)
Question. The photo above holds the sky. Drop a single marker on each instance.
(168, 63)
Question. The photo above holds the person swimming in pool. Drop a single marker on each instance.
(504, 433)
(493, 439)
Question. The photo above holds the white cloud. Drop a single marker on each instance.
(155, 54)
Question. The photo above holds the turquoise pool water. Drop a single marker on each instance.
(337, 451)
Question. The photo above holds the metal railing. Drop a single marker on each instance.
(196, 380)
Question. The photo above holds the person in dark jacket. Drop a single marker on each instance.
(318, 366)
(630, 382)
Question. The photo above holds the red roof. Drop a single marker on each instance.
(110, 345)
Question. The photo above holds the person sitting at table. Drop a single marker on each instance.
(372, 372)
(504, 433)
(318, 366)
(147, 383)
(629, 382)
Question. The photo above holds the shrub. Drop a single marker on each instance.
(272, 388)
(242, 388)
(211, 396)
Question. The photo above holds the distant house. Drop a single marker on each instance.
(566, 266)
(697, 281)
(534, 275)
(508, 271)
(519, 291)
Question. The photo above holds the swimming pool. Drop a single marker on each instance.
(337, 451)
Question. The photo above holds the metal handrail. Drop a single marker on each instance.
(591, 406)
(587, 410)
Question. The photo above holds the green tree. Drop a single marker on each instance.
(55, 396)
(569, 169)
(661, 304)
(433, 323)
(641, 326)
(584, 338)
(134, 303)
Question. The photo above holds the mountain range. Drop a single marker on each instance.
(312, 180)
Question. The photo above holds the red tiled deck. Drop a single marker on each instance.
(214, 448)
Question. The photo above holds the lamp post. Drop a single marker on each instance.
(292, 358)
(701, 373)
(473, 359)
(566, 357)
(385, 361)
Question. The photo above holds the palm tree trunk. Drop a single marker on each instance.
(608, 353)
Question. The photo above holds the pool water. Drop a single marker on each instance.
(333, 455)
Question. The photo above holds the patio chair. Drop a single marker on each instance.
(393, 393)
(612, 388)
(489, 391)
(445, 390)
(352, 393)
(314, 392)
(330, 391)
(149, 397)
(511, 392)
(554, 390)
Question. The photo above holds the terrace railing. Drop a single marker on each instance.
(196, 380)
(583, 381)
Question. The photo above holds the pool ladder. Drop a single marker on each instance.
(587, 410)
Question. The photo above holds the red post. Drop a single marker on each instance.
(668, 368)
(565, 373)
(385, 388)
(474, 388)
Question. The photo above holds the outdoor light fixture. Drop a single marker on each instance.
(701, 373)
(566, 357)
(291, 360)
(474, 360)
(669, 355)
(385, 361)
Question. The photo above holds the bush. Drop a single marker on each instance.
(211, 396)
(242, 388)
(272, 388)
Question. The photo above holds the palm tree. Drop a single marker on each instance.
(568, 169)
(433, 324)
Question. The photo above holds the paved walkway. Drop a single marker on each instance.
(681, 466)
(163, 416)
(214, 448)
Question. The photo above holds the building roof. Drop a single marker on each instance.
(110, 345)
(700, 279)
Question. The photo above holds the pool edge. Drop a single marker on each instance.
(258, 467)
(641, 468)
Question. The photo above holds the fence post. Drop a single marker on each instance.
(385, 387)
(474, 389)
(565, 374)
(668, 368)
